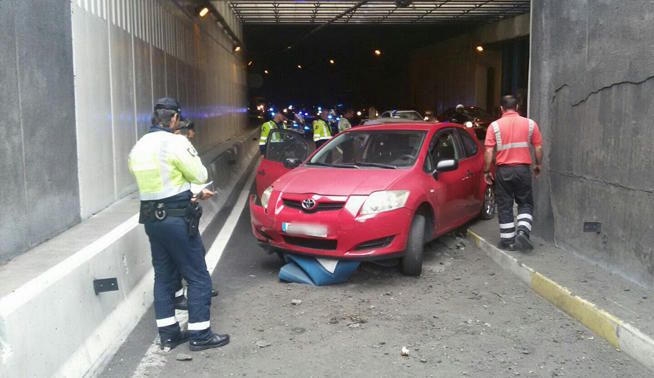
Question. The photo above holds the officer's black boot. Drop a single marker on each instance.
(171, 343)
(522, 241)
(215, 341)
(214, 292)
(506, 245)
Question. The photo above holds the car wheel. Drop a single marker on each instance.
(412, 260)
(488, 210)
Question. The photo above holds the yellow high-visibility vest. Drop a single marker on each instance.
(165, 164)
(265, 131)
(321, 130)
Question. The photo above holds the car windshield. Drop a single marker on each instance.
(386, 149)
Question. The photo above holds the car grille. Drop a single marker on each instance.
(322, 206)
(377, 243)
(324, 244)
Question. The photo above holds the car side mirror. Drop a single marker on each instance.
(445, 166)
(291, 163)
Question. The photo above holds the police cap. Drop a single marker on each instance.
(167, 103)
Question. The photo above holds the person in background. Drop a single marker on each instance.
(344, 122)
(512, 135)
(277, 123)
(321, 132)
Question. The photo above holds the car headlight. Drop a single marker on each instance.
(265, 196)
(388, 200)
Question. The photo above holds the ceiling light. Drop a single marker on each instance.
(299, 66)
(479, 48)
(250, 63)
(237, 48)
(332, 61)
(266, 72)
(359, 114)
(204, 11)
(377, 52)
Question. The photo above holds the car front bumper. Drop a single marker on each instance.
(348, 237)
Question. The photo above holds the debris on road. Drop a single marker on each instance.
(404, 352)
(263, 344)
(183, 357)
(296, 302)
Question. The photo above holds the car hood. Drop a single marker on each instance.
(338, 181)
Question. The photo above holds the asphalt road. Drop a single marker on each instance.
(463, 317)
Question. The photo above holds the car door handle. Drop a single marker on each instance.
(467, 176)
(261, 173)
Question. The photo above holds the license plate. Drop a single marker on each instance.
(304, 229)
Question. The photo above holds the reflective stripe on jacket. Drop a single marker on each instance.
(321, 130)
(165, 164)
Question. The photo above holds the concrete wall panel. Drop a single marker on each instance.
(591, 90)
(13, 219)
(143, 86)
(122, 107)
(40, 191)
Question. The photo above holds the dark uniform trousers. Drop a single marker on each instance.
(174, 252)
(513, 183)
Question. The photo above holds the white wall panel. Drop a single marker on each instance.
(92, 111)
(128, 53)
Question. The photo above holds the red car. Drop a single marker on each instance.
(372, 192)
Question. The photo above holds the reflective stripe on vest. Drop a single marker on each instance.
(503, 147)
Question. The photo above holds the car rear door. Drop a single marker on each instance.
(282, 144)
(447, 191)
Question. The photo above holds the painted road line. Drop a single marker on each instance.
(155, 359)
(616, 332)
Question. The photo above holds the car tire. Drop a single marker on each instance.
(489, 207)
(412, 261)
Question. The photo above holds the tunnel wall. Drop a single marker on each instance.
(591, 90)
(128, 54)
(37, 128)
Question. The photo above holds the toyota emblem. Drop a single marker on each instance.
(308, 204)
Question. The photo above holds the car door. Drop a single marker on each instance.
(447, 191)
(471, 163)
(282, 144)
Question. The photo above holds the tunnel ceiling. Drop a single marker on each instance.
(400, 12)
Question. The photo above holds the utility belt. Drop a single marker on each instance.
(153, 211)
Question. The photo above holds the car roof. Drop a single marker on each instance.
(422, 126)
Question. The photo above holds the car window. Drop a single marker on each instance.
(443, 147)
(392, 148)
(287, 144)
(469, 145)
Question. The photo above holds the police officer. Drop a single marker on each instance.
(344, 121)
(321, 132)
(277, 123)
(512, 136)
(165, 165)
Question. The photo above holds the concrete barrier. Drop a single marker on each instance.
(51, 321)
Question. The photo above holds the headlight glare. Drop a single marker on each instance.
(379, 202)
(265, 196)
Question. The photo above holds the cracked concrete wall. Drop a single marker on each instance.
(591, 90)
(38, 165)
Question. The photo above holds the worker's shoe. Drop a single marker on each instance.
(215, 341)
(214, 292)
(171, 343)
(522, 242)
(506, 245)
(181, 303)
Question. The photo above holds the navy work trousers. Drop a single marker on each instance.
(174, 252)
(513, 183)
